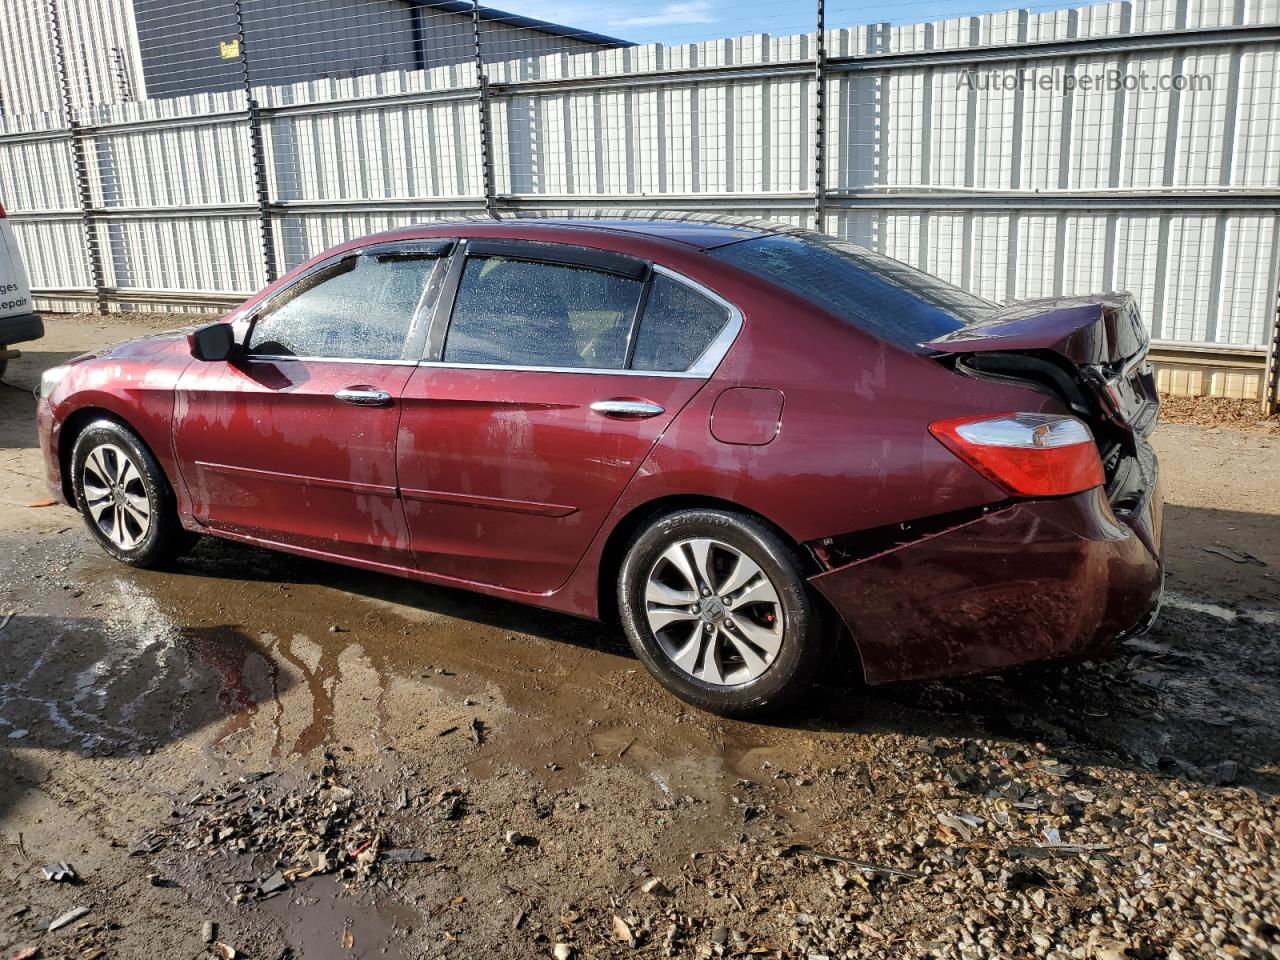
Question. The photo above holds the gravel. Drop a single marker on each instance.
(955, 848)
(1023, 859)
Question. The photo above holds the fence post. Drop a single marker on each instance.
(1271, 379)
(486, 133)
(79, 161)
(259, 156)
(820, 122)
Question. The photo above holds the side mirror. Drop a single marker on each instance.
(216, 341)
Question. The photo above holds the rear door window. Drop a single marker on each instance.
(521, 313)
(677, 327)
(361, 308)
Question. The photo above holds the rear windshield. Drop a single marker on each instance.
(878, 294)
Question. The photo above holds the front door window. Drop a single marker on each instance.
(360, 308)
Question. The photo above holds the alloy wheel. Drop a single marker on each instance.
(115, 495)
(714, 612)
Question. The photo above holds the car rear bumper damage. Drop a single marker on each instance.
(1026, 581)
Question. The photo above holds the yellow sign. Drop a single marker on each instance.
(230, 49)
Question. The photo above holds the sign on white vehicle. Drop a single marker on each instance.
(15, 293)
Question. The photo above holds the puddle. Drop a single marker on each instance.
(322, 921)
(340, 656)
(284, 658)
(127, 681)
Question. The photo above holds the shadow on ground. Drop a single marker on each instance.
(1160, 703)
(230, 560)
(17, 402)
(100, 689)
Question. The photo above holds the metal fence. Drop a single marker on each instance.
(913, 140)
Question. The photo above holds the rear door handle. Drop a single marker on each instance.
(627, 409)
(364, 396)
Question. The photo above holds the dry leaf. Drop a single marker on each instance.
(43, 503)
(348, 941)
(621, 931)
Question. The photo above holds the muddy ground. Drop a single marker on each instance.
(179, 737)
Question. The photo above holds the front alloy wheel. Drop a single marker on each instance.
(115, 496)
(715, 604)
(124, 495)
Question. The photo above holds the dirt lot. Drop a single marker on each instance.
(327, 763)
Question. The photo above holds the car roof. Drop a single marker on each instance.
(691, 230)
(700, 232)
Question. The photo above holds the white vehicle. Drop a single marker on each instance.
(18, 320)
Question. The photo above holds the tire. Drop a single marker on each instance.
(115, 479)
(4, 361)
(751, 656)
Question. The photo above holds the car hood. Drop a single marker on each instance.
(140, 347)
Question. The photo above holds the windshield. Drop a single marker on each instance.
(878, 294)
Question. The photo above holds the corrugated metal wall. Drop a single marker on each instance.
(298, 40)
(122, 50)
(102, 55)
(1013, 193)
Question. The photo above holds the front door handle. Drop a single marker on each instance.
(627, 409)
(364, 396)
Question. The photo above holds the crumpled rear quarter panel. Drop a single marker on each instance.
(1033, 581)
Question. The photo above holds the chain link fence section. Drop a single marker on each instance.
(186, 152)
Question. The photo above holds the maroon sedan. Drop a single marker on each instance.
(739, 438)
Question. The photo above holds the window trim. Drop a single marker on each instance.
(563, 254)
(419, 325)
(701, 369)
(707, 362)
(285, 358)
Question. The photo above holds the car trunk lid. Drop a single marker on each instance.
(1099, 342)
(1090, 352)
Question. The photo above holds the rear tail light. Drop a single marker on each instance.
(1028, 454)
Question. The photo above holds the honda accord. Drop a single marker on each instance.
(747, 442)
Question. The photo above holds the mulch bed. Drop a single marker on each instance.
(1215, 412)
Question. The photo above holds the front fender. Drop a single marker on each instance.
(137, 392)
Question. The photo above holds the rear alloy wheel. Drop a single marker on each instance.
(124, 496)
(715, 606)
(715, 614)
